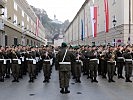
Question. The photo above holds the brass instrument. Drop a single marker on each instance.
(112, 59)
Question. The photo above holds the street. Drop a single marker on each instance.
(120, 90)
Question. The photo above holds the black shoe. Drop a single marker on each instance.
(66, 90)
(47, 81)
(17, 80)
(1, 80)
(44, 81)
(62, 91)
(30, 81)
(14, 80)
(109, 81)
(95, 81)
(115, 74)
(112, 80)
(128, 80)
(121, 77)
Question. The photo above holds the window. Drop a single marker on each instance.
(27, 27)
(31, 43)
(27, 18)
(27, 41)
(15, 20)
(6, 40)
(15, 6)
(114, 2)
(4, 10)
(15, 41)
(23, 25)
(22, 13)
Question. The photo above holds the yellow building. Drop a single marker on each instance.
(118, 23)
(19, 24)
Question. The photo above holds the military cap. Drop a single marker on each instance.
(63, 44)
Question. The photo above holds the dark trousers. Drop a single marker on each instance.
(110, 69)
(119, 68)
(2, 70)
(15, 70)
(31, 70)
(8, 67)
(103, 64)
(77, 70)
(128, 69)
(93, 68)
(47, 70)
(64, 78)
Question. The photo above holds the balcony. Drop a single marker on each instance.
(2, 3)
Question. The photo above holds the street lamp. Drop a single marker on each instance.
(114, 22)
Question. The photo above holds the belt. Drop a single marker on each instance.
(120, 58)
(65, 63)
(95, 60)
(112, 61)
(3, 60)
(18, 60)
(128, 60)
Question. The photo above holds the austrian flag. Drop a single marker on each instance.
(93, 11)
(37, 27)
(106, 15)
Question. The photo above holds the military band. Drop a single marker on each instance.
(105, 61)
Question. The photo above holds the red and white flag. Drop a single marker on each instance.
(106, 15)
(93, 11)
(37, 26)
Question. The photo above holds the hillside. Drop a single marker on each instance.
(53, 27)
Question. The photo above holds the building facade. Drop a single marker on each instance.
(120, 29)
(19, 24)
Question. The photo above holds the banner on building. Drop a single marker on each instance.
(93, 11)
(37, 26)
(82, 30)
(106, 15)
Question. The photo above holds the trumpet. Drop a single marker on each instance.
(112, 59)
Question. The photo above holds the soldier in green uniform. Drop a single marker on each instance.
(47, 62)
(78, 64)
(65, 57)
(128, 63)
(31, 64)
(110, 57)
(2, 65)
(15, 65)
(93, 63)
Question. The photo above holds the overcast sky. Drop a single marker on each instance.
(63, 9)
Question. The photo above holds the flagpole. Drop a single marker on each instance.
(129, 38)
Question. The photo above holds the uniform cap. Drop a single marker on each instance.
(63, 44)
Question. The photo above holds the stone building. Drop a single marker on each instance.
(19, 24)
(112, 15)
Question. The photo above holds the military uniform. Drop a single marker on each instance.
(93, 63)
(47, 62)
(15, 66)
(119, 63)
(2, 67)
(78, 66)
(110, 65)
(65, 69)
(128, 65)
(31, 65)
